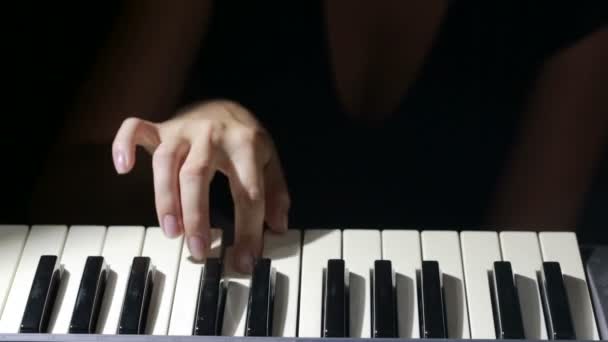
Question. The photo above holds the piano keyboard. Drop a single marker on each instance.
(67, 283)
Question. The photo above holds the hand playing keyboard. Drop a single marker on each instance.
(187, 151)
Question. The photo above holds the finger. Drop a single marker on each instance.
(247, 187)
(277, 196)
(166, 162)
(132, 133)
(194, 179)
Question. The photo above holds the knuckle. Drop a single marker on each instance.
(215, 127)
(204, 128)
(195, 169)
(250, 136)
(284, 200)
(132, 121)
(240, 197)
(163, 155)
(255, 194)
(205, 131)
(251, 199)
(165, 202)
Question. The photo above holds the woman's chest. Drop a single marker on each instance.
(377, 49)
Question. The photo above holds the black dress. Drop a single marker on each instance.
(436, 161)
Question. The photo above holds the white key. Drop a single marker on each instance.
(82, 241)
(521, 249)
(444, 247)
(284, 252)
(237, 296)
(563, 247)
(122, 244)
(187, 287)
(318, 247)
(402, 248)
(361, 249)
(164, 254)
(12, 240)
(42, 240)
(479, 252)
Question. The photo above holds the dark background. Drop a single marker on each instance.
(50, 48)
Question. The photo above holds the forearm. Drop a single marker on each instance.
(563, 138)
(140, 70)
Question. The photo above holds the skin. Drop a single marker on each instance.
(187, 151)
(564, 131)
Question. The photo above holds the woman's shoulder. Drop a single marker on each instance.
(544, 27)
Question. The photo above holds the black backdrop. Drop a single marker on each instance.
(48, 49)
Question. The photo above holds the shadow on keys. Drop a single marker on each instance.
(108, 295)
(159, 286)
(65, 278)
(530, 306)
(235, 309)
(280, 308)
(359, 297)
(577, 288)
(406, 288)
(454, 302)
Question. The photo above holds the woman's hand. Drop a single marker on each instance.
(187, 151)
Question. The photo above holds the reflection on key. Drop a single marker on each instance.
(557, 309)
(318, 247)
(432, 320)
(237, 295)
(522, 250)
(480, 249)
(209, 309)
(41, 240)
(81, 242)
(361, 248)
(563, 247)
(188, 286)
(283, 250)
(90, 293)
(335, 309)
(444, 247)
(402, 248)
(12, 240)
(260, 308)
(137, 297)
(509, 324)
(383, 303)
(121, 245)
(42, 295)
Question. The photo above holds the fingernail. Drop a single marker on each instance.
(245, 263)
(120, 161)
(170, 226)
(196, 246)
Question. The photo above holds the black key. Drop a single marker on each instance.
(384, 318)
(432, 318)
(557, 309)
(507, 312)
(42, 296)
(335, 308)
(261, 296)
(210, 300)
(135, 305)
(90, 294)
